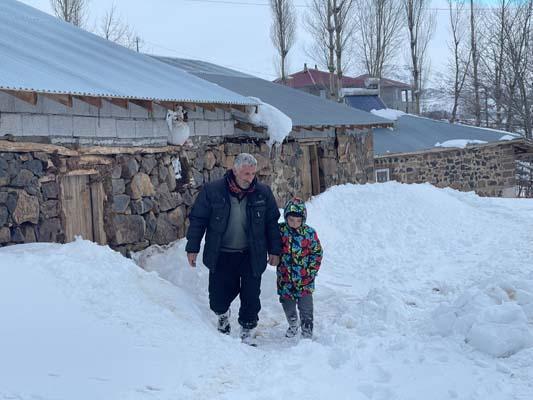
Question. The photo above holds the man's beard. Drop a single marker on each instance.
(242, 184)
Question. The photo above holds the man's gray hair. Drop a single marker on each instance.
(244, 159)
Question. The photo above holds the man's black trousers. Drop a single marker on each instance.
(233, 276)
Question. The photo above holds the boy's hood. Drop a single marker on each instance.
(295, 205)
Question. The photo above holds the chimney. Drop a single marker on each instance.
(316, 67)
(305, 67)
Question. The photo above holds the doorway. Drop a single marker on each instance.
(82, 204)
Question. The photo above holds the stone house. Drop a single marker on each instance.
(84, 136)
(329, 144)
(462, 157)
(88, 146)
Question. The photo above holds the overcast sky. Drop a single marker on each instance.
(232, 33)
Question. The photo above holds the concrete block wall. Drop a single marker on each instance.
(110, 124)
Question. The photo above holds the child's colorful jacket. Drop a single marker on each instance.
(301, 255)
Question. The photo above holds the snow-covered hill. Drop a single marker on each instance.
(424, 293)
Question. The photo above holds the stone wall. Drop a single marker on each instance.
(148, 194)
(342, 159)
(489, 170)
(144, 202)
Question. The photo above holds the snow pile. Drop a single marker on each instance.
(401, 263)
(459, 143)
(509, 137)
(278, 124)
(388, 113)
(493, 318)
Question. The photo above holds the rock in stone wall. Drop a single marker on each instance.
(28, 200)
(146, 202)
(487, 170)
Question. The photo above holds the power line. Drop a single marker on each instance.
(240, 3)
(243, 3)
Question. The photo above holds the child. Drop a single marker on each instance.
(301, 255)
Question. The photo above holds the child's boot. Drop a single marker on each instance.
(292, 330)
(307, 329)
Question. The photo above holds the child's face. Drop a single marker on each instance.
(294, 222)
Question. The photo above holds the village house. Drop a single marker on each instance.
(329, 144)
(102, 142)
(362, 92)
(87, 146)
(467, 158)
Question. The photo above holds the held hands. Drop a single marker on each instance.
(273, 260)
(192, 259)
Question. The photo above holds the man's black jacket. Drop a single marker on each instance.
(211, 212)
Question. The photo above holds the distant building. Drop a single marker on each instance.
(362, 92)
(467, 158)
(396, 95)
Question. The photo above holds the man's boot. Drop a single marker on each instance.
(248, 336)
(223, 324)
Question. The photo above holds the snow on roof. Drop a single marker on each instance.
(279, 124)
(388, 113)
(41, 53)
(459, 143)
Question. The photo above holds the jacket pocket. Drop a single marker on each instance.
(217, 218)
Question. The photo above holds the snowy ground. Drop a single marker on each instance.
(424, 294)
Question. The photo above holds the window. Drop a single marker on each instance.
(382, 175)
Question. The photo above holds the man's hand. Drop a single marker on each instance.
(192, 259)
(273, 260)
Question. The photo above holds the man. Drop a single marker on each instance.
(241, 219)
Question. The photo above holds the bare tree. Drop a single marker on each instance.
(319, 23)
(518, 51)
(112, 27)
(332, 26)
(420, 27)
(283, 30)
(73, 11)
(378, 33)
(475, 63)
(344, 27)
(459, 65)
(494, 67)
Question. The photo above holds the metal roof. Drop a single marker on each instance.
(41, 53)
(365, 102)
(411, 134)
(318, 79)
(304, 109)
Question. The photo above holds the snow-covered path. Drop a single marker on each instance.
(421, 289)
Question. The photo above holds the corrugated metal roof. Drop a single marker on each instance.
(411, 134)
(304, 109)
(365, 102)
(319, 79)
(41, 53)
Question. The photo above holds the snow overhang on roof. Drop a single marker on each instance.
(40, 53)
